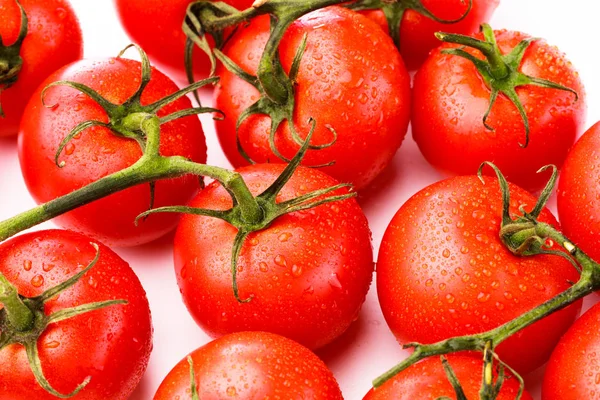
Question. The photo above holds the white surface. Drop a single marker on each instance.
(368, 349)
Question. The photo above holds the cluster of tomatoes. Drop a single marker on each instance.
(442, 269)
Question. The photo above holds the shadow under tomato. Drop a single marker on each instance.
(334, 352)
(143, 391)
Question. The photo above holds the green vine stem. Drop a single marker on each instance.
(11, 61)
(524, 236)
(23, 321)
(499, 71)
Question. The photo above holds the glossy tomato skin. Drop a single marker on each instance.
(451, 98)
(112, 345)
(442, 264)
(427, 380)
(351, 79)
(252, 365)
(417, 31)
(98, 152)
(572, 371)
(579, 193)
(156, 26)
(53, 40)
(308, 272)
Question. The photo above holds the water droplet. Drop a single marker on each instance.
(284, 237)
(429, 282)
(231, 391)
(37, 281)
(334, 281)
(92, 282)
(296, 270)
(280, 260)
(450, 298)
(446, 253)
(27, 265)
(483, 297)
(52, 345)
(69, 149)
(263, 266)
(48, 267)
(464, 249)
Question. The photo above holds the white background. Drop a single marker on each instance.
(368, 349)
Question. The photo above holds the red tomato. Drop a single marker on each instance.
(579, 193)
(572, 372)
(417, 31)
(156, 26)
(427, 380)
(443, 271)
(308, 272)
(252, 365)
(53, 40)
(351, 79)
(111, 345)
(451, 98)
(98, 152)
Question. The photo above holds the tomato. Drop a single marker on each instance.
(572, 371)
(156, 26)
(427, 380)
(442, 263)
(417, 31)
(111, 345)
(53, 40)
(451, 99)
(351, 80)
(252, 365)
(579, 193)
(98, 152)
(307, 273)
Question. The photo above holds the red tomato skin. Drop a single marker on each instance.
(363, 92)
(572, 372)
(442, 263)
(243, 365)
(156, 26)
(427, 380)
(53, 40)
(98, 152)
(450, 99)
(309, 271)
(112, 345)
(579, 193)
(417, 31)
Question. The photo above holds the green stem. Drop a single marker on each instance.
(19, 315)
(588, 283)
(150, 167)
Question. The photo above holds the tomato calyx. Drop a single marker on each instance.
(500, 71)
(394, 13)
(270, 209)
(276, 87)
(11, 61)
(23, 320)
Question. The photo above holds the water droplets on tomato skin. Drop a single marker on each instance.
(37, 281)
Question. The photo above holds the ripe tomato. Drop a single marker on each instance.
(53, 40)
(442, 263)
(427, 380)
(111, 345)
(579, 193)
(572, 371)
(98, 152)
(451, 98)
(417, 31)
(156, 26)
(252, 365)
(308, 273)
(351, 79)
